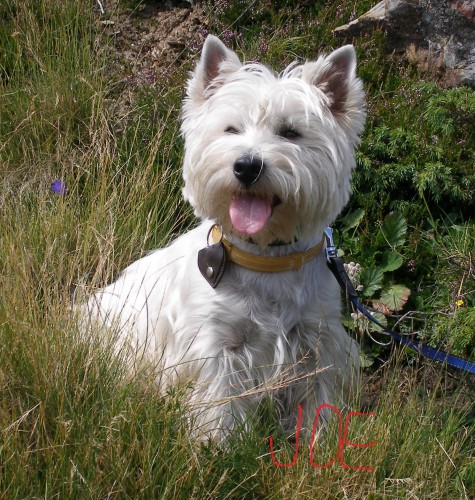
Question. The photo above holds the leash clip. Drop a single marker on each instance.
(335, 264)
(330, 250)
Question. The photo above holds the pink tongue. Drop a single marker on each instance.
(249, 215)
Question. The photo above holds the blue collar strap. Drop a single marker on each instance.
(335, 264)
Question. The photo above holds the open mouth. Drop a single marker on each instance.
(249, 214)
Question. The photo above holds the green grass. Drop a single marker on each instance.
(71, 424)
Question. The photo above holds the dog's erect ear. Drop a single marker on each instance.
(335, 79)
(215, 53)
(216, 61)
(335, 76)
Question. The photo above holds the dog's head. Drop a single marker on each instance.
(269, 156)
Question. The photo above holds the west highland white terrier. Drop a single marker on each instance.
(244, 306)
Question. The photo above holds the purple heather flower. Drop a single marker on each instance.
(58, 187)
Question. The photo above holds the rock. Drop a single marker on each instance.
(437, 35)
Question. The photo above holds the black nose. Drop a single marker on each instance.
(248, 168)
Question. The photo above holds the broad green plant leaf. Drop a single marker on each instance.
(366, 360)
(381, 307)
(395, 297)
(394, 229)
(372, 280)
(373, 327)
(390, 261)
(364, 324)
(352, 219)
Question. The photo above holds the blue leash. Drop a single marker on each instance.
(335, 264)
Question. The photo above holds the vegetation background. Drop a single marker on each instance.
(90, 163)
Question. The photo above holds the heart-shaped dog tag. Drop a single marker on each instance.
(211, 263)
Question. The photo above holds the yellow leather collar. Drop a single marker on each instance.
(267, 264)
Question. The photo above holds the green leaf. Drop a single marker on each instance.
(372, 280)
(373, 327)
(352, 219)
(366, 360)
(391, 261)
(395, 297)
(394, 229)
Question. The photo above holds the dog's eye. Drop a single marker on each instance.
(289, 133)
(232, 130)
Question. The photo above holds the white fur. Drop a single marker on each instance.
(257, 333)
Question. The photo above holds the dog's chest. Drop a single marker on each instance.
(262, 308)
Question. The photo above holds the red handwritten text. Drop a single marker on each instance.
(342, 440)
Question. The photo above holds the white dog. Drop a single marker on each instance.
(268, 160)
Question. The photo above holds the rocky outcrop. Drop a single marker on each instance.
(437, 35)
